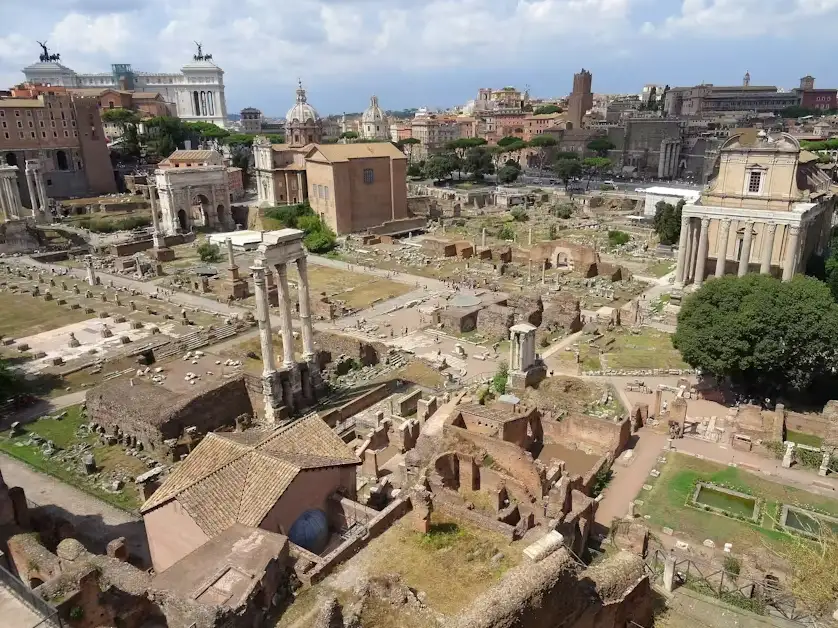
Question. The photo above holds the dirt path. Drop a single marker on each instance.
(628, 480)
(95, 520)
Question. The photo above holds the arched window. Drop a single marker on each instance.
(197, 103)
(61, 159)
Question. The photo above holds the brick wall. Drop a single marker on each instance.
(495, 321)
(600, 435)
(367, 353)
(356, 405)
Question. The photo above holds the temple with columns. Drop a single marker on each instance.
(767, 208)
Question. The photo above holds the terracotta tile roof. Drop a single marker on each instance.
(345, 152)
(238, 478)
(192, 155)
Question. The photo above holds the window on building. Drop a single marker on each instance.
(33, 135)
(6, 135)
(20, 135)
(110, 104)
(754, 182)
(19, 124)
(326, 194)
(17, 113)
(368, 176)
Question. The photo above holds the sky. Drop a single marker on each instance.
(431, 53)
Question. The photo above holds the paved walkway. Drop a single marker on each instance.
(15, 612)
(97, 522)
(628, 480)
(413, 280)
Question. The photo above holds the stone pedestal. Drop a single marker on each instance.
(824, 468)
(788, 456)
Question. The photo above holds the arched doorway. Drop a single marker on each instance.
(181, 218)
(11, 159)
(61, 160)
(200, 210)
(561, 260)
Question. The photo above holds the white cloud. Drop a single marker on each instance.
(108, 34)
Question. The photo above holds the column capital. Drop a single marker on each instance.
(705, 222)
(685, 221)
(772, 227)
(726, 222)
(794, 229)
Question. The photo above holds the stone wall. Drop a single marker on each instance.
(334, 345)
(459, 320)
(333, 416)
(599, 435)
(562, 311)
(438, 247)
(494, 321)
(557, 593)
(402, 225)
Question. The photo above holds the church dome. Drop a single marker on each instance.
(301, 111)
(373, 113)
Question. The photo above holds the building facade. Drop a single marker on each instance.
(374, 124)
(63, 134)
(811, 98)
(352, 187)
(768, 208)
(433, 132)
(196, 92)
(251, 120)
(704, 99)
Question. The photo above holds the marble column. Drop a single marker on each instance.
(285, 316)
(91, 275)
(804, 234)
(287, 187)
(680, 271)
(6, 199)
(305, 313)
(790, 265)
(155, 220)
(263, 318)
(721, 247)
(768, 232)
(483, 237)
(693, 249)
(745, 258)
(33, 194)
(300, 195)
(231, 258)
(42, 192)
(702, 252)
(513, 341)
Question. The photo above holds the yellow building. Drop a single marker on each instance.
(768, 208)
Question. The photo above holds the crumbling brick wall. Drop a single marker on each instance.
(599, 435)
(333, 345)
(562, 311)
(438, 247)
(459, 320)
(528, 307)
(494, 321)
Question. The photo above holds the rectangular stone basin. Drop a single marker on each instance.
(726, 500)
(805, 521)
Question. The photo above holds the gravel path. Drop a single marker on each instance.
(93, 519)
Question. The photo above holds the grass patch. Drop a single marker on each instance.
(659, 269)
(24, 315)
(647, 348)
(802, 438)
(64, 434)
(666, 503)
(452, 563)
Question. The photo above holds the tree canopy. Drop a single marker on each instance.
(509, 139)
(441, 166)
(765, 336)
(508, 174)
(601, 146)
(543, 143)
(120, 116)
(478, 161)
(667, 221)
(567, 169)
(545, 109)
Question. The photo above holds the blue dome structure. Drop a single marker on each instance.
(310, 531)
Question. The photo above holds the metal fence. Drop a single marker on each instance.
(765, 597)
(49, 615)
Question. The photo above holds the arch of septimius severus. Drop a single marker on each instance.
(768, 209)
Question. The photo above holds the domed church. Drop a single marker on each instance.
(302, 124)
(374, 125)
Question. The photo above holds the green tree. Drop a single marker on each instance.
(508, 174)
(406, 145)
(765, 336)
(206, 131)
(567, 169)
(478, 162)
(508, 140)
(415, 170)
(127, 121)
(165, 134)
(209, 252)
(120, 117)
(545, 109)
(349, 135)
(289, 215)
(596, 166)
(501, 378)
(601, 146)
(542, 143)
(442, 166)
(11, 381)
(667, 221)
(563, 211)
(552, 232)
(239, 139)
(275, 138)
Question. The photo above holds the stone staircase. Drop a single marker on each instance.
(200, 338)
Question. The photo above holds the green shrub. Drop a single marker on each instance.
(501, 378)
(506, 233)
(209, 252)
(519, 214)
(76, 613)
(601, 480)
(102, 225)
(732, 565)
(563, 211)
(617, 238)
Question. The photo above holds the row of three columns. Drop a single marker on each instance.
(263, 314)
